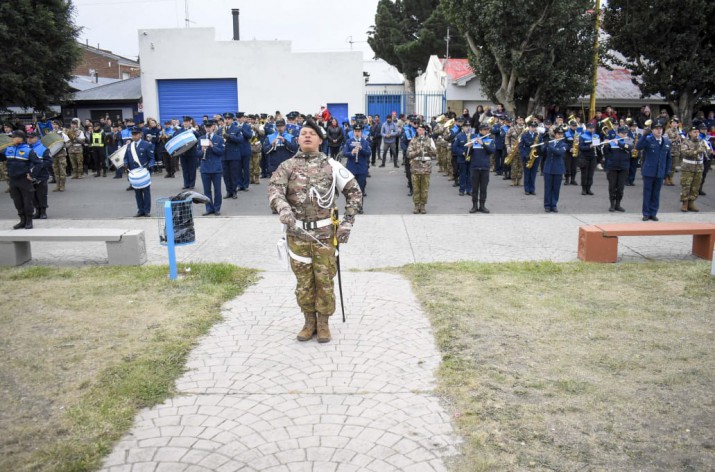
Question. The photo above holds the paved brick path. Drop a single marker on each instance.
(255, 399)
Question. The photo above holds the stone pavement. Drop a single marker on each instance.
(255, 399)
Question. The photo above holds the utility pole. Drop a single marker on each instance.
(594, 83)
(447, 40)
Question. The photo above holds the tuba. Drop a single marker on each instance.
(606, 125)
(449, 123)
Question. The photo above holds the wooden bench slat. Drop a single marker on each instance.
(655, 229)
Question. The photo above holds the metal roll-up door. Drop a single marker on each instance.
(196, 98)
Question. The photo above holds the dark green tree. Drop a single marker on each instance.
(668, 46)
(407, 32)
(525, 53)
(39, 51)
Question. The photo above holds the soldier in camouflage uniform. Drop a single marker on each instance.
(512, 145)
(76, 148)
(256, 150)
(442, 147)
(303, 191)
(420, 152)
(59, 160)
(673, 133)
(691, 171)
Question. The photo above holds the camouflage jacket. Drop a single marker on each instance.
(290, 187)
(512, 136)
(692, 150)
(421, 151)
(676, 140)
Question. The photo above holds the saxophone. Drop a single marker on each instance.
(574, 148)
(634, 152)
(468, 153)
(534, 153)
(514, 151)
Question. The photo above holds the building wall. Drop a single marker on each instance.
(270, 76)
(103, 66)
(433, 79)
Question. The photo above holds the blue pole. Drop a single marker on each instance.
(169, 220)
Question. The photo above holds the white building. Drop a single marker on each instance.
(456, 80)
(384, 88)
(185, 71)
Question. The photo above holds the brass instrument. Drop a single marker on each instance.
(534, 153)
(606, 125)
(514, 152)
(574, 148)
(441, 119)
(468, 154)
(634, 152)
(71, 134)
(449, 123)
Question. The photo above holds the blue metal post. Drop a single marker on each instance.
(169, 219)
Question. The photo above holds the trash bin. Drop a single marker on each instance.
(182, 221)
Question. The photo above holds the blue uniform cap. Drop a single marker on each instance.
(281, 122)
(18, 134)
(484, 126)
(657, 124)
(229, 115)
(136, 129)
(33, 134)
(622, 129)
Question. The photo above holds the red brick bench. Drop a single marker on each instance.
(599, 243)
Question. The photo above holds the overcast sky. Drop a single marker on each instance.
(311, 25)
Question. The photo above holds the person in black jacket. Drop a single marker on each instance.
(335, 137)
(376, 137)
(23, 166)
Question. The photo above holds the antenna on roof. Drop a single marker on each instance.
(446, 38)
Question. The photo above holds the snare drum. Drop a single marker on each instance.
(139, 178)
(181, 143)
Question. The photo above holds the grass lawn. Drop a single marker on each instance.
(565, 367)
(83, 349)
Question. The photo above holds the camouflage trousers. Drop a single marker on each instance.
(690, 184)
(420, 188)
(256, 167)
(59, 166)
(3, 170)
(76, 161)
(442, 158)
(314, 289)
(674, 163)
(517, 170)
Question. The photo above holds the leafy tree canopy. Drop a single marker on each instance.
(39, 51)
(668, 46)
(408, 32)
(528, 53)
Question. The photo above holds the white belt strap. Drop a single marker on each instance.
(316, 224)
(688, 161)
(296, 257)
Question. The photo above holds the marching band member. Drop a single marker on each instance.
(694, 152)
(212, 147)
(244, 171)
(635, 154)
(40, 175)
(618, 159)
(357, 151)
(477, 153)
(421, 151)
(571, 158)
(23, 166)
(587, 159)
(59, 160)
(140, 154)
(406, 136)
(75, 147)
(189, 159)
(554, 168)
(528, 138)
(676, 138)
(169, 162)
(459, 149)
(656, 163)
(231, 160)
(512, 141)
(279, 146)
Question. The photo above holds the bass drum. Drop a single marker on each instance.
(5, 141)
(54, 142)
(117, 157)
(139, 178)
(181, 143)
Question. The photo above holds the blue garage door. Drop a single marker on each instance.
(339, 111)
(383, 105)
(196, 98)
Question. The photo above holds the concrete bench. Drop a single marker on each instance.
(124, 247)
(599, 243)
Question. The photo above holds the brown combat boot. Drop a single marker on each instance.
(309, 329)
(423, 210)
(323, 329)
(684, 208)
(692, 207)
(416, 209)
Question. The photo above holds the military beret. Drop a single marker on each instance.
(18, 134)
(622, 129)
(656, 124)
(229, 115)
(240, 114)
(484, 126)
(280, 122)
(310, 123)
(693, 128)
(33, 134)
(136, 130)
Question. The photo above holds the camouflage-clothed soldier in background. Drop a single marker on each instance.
(303, 190)
(76, 148)
(673, 133)
(59, 160)
(256, 148)
(421, 151)
(512, 145)
(691, 170)
(442, 147)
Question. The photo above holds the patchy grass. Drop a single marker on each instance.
(83, 349)
(576, 366)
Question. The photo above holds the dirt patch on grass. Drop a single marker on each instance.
(83, 349)
(576, 366)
